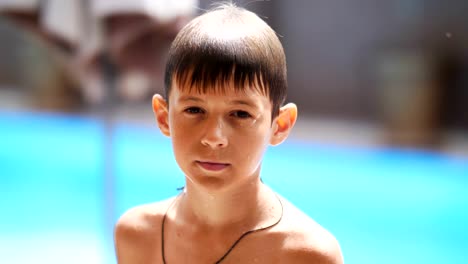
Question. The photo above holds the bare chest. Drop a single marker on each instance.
(252, 248)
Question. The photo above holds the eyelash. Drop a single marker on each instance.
(194, 110)
(238, 114)
(244, 114)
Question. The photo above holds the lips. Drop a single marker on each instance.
(212, 166)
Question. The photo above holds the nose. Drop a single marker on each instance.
(215, 134)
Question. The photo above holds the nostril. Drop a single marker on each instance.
(213, 142)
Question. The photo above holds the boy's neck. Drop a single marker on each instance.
(250, 205)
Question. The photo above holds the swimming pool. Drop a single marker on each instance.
(384, 206)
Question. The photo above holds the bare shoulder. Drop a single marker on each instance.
(138, 230)
(141, 214)
(306, 241)
(140, 218)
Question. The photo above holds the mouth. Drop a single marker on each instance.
(212, 166)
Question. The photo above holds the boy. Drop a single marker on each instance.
(225, 86)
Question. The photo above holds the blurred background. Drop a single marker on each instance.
(380, 148)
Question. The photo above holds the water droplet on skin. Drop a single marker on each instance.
(448, 34)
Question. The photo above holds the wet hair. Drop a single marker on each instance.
(228, 46)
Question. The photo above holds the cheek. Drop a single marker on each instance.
(179, 126)
(251, 146)
(182, 152)
(181, 136)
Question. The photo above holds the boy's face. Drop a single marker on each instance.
(218, 138)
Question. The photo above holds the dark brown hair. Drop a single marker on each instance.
(228, 45)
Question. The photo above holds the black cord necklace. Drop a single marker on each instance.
(233, 245)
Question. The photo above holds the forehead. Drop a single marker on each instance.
(247, 96)
(228, 88)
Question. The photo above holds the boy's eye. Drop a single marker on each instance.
(193, 110)
(241, 114)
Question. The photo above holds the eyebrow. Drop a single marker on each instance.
(190, 98)
(242, 102)
(186, 98)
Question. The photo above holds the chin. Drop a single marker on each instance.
(208, 183)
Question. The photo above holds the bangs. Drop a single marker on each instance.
(214, 67)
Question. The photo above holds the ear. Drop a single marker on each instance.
(283, 123)
(161, 113)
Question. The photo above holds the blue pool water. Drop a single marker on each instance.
(384, 206)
